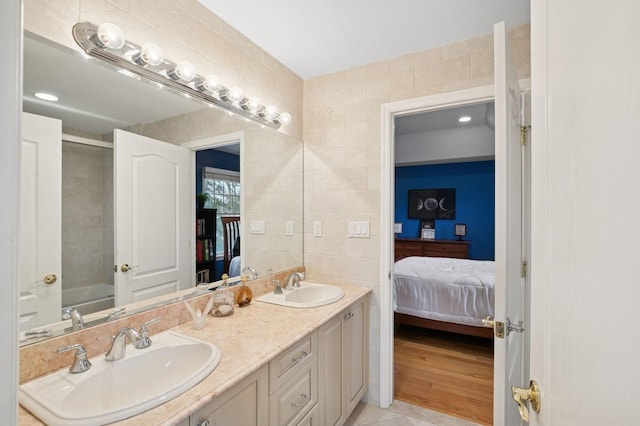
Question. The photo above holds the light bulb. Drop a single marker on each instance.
(285, 118)
(270, 112)
(254, 105)
(235, 95)
(183, 71)
(211, 83)
(110, 35)
(464, 119)
(150, 54)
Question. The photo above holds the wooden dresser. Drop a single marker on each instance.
(406, 247)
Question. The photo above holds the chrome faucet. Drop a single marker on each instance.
(254, 274)
(293, 280)
(139, 339)
(81, 363)
(119, 346)
(76, 319)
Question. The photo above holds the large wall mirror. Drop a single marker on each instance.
(94, 100)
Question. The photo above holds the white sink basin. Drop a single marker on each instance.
(112, 391)
(309, 295)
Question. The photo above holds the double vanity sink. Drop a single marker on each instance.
(308, 295)
(114, 390)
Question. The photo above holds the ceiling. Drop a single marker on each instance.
(480, 114)
(314, 38)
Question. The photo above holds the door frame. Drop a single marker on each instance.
(387, 195)
(213, 143)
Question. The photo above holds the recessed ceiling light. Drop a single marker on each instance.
(464, 119)
(46, 96)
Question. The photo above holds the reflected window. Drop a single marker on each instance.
(223, 187)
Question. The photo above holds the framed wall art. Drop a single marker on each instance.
(432, 203)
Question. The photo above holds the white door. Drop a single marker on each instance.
(509, 294)
(40, 222)
(154, 218)
(585, 205)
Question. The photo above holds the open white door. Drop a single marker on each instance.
(509, 292)
(154, 218)
(40, 213)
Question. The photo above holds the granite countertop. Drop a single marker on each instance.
(248, 339)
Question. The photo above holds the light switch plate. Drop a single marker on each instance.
(257, 227)
(317, 228)
(289, 227)
(397, 228)
(358, 229)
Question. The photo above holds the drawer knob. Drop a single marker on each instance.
(303, 398)
(302, 356)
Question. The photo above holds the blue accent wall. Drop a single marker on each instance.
(475, 202)
(217, 159)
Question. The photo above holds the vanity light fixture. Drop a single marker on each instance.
(464, 119)
(46, 96)
(107, 43)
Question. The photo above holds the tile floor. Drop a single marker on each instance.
(401, 414)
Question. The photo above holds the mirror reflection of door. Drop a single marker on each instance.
(40, 222)
(153, 217)
(218, 176)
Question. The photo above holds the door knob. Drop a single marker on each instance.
(50, 278)
(488, 321)
(126, 268)
(521, 396)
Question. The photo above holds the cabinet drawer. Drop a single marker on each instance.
(292, 361)
(295, 398)
(311, 419)
(446, 250)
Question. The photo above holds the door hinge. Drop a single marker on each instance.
(523, 134)
(523, 269)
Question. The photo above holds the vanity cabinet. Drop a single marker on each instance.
(317, 381)
(343, 363)
(293, 382)
(246, 403)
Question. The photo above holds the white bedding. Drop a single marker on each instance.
(460, 291)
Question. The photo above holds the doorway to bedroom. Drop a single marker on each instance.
(444, 236)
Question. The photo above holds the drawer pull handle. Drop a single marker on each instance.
(302, 356)
(302, 400)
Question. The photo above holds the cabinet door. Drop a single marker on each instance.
(356, 354)
(247, 404)
(331, 372)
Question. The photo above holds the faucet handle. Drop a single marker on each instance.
(144, 341)
(81, 362)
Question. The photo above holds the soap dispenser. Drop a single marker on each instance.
(244, 294)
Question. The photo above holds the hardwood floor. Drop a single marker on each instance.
(444, 372)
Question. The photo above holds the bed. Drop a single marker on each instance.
(444, 294)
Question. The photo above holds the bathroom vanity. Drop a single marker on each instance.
(279, 365)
